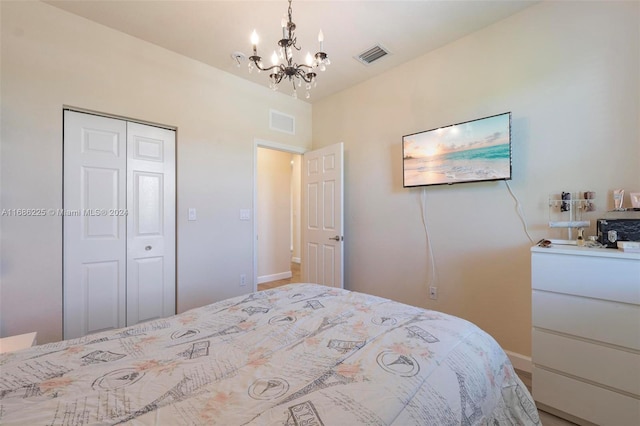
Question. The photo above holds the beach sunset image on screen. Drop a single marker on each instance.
(477, 150)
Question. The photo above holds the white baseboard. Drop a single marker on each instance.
(520, 362)
(274, 277)
(296, 260)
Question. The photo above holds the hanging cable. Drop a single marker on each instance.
(423, 208)
(520, 212)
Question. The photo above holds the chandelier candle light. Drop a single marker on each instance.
(283, 65)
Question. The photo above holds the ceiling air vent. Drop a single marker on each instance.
(373, 54)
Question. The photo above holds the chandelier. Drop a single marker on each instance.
(283, 66)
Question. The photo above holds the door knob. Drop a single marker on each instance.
(147, 248)
(336, 238)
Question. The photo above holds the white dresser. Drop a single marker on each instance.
(586, 334)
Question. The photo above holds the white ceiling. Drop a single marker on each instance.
(210, 31)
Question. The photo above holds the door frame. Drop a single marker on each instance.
(263, 143)
(120, 117)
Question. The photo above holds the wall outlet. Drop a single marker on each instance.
(243, 280)
(433, 292)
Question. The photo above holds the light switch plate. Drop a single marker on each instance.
(245, 214)
(192, 213)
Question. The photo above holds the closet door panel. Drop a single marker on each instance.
(148, 206)
(94, 241)
(144, 298)
(150, 223)
(100, 194)
(101, 289)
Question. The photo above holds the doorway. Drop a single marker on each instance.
(277, 203)
(322, 232)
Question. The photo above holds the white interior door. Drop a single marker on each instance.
(119, 223)
(150, 223)
(95, 160)
(322, 181)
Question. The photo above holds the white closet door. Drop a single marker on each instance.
(150, 223)
(94, 241)
(119, 223)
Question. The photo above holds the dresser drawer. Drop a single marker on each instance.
(598, 277)
(601, 364)
(588, 402)
(604, 321)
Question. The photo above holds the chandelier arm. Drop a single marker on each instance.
(307, 77)
(257, 64)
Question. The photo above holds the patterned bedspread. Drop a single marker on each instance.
(299, 354)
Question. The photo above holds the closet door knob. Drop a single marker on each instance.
(147, 248)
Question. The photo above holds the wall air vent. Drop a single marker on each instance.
(373, 54)
(282, 122)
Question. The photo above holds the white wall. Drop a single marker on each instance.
(51, 58)
(569, 72)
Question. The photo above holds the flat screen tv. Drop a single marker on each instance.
(473, 151)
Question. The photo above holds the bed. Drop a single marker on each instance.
(301, 354)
